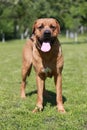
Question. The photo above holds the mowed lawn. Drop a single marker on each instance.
(16, 113)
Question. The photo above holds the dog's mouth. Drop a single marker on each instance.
(46, 41)
(45, 47)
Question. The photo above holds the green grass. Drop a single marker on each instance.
(16, 114)
(80, 39)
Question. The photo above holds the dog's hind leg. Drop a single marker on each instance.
(26, 69)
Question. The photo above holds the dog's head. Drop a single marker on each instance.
(46, 31)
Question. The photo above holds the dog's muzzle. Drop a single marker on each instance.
(47, 34)
(46, 45)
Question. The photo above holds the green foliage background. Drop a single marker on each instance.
(70, 13)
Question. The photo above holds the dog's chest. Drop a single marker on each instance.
(48, 68)
(47, 72)
(43, 67)
(45, 64)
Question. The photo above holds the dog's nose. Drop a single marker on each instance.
(47, 33)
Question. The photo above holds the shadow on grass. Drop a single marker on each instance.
(51, 98)
(31, 93)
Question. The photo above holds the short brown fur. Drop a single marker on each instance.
(46, 64)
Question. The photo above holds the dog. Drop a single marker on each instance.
(44, 52)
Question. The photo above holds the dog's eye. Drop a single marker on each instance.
(52, 26)
(40, 27)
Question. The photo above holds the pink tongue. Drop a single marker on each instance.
(45, 47)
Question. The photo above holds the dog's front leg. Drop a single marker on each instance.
(58, 83)
(26, 69)
(40, 88)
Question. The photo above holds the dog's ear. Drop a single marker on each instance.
(33, 28)
(58, 26)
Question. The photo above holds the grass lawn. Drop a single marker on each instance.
(16, 114)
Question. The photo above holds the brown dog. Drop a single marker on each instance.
(43, 51)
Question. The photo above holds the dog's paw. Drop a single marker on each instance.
(61, 109)
(37, 109)
(23, 96)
